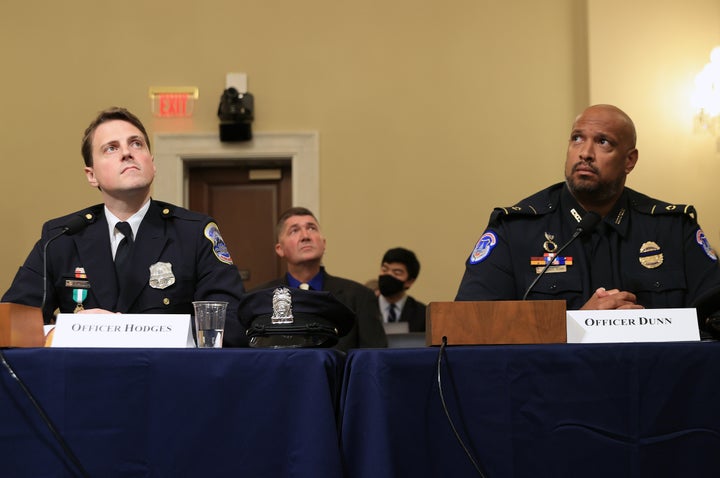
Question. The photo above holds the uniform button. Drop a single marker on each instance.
(553, 287)
(166, 301)
(656, 285)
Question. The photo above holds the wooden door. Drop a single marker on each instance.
(246, 202)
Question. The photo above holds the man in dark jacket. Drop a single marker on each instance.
(302, 245)
(398, 271)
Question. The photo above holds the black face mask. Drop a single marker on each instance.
(389, 285)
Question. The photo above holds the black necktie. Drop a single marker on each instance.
(601, 261)
(392, 314)
(122, 255)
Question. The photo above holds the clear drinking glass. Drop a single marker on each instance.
(209, 322)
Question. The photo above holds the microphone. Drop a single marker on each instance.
(74, 225)
(586, 225)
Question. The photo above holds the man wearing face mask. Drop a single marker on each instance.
(398, 271)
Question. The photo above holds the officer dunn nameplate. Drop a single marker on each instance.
(123, 331)
(632, 325)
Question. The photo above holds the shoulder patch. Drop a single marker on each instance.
(483, 248)
(705, 244)
(212, 232)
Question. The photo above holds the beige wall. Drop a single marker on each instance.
(646, 60)
(429, 113)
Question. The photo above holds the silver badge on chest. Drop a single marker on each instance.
(161, 275)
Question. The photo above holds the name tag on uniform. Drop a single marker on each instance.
(633, 325)
(123, 331)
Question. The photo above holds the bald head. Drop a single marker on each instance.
(601, 153)
(624, 126)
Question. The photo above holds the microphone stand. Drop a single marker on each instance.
(587, 224)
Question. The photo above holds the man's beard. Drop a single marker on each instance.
(593, 192)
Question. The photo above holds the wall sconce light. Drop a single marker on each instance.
(706, 97)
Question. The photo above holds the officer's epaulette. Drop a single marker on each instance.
(540, 203)
(167, 210)
(170, 211)
(518, 210)
(647, 205)
(91, 213)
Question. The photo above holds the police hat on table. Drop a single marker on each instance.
(287, 317)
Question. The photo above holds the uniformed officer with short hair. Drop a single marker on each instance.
(170, 256)
(644, 253)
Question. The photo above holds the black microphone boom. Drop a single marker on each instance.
(589, 221)
(75, 224)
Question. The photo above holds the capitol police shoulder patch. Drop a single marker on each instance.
(483, 248)
(212, 232)
(703, 242)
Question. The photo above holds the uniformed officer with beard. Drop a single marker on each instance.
(644, 253)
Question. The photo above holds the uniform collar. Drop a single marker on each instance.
(133, 220)
(618, 218)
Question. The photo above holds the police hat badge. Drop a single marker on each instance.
(282, 318)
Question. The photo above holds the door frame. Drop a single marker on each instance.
(175, 151)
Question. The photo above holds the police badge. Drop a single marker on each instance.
(651, 255)
(282, 307)
(299, 318)
(161, 275)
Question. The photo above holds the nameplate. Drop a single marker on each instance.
(123, 331)
(632, 325)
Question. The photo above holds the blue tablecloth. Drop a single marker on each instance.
(173, 413)
(625, 410)
(621, 410)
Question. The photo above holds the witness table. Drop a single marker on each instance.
(173, 413)
(621, 410)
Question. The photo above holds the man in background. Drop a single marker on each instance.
(398, 271)
(129, 254)
(302, 245)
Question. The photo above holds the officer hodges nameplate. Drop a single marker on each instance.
(123, 330)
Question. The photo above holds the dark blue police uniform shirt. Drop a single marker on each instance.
(169, 238)
(653, 249)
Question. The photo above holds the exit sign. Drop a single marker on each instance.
(173, 101)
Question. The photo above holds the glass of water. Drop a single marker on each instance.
(209, 322)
